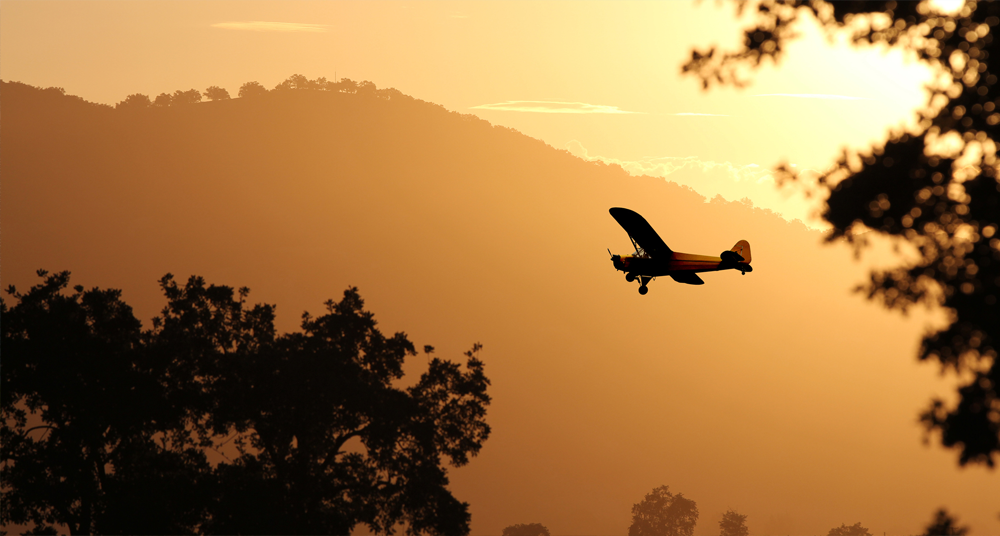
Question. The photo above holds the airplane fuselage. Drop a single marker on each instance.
(675, 263)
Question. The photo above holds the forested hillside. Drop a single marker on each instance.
(458, 231)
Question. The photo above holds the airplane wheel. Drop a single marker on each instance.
(643, 290)
(629, 277)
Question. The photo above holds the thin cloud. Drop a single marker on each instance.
(264, 26)
(702, 115)
(552, 107)
(811, 96)
(714, 178)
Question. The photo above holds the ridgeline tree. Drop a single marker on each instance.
(106, 425)
(526, 529)
(733, 524)
(135, 101)
(163, 100)
(191, 96)
(252, 89)
(945, 202)
(853, 530)
(662, 513)
(214, 93)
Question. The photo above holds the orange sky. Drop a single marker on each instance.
(851, 432)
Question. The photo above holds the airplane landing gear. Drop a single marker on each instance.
(630, 277)
(643, 290)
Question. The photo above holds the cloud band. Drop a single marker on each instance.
(552, 107)
(264, 26)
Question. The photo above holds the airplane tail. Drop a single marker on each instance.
(742, 248)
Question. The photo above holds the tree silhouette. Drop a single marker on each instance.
(191, 96)
(945, 525)
(526, 529)
(662, 513)
(853, 530)
(136, 101)
(106, 425)
(82, 408)
(163, 100)
(296, 81)
(214, 93)
(733, 524)
(252, 89)
(946, 203)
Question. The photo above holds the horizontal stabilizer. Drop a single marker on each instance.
(731, 257)
(690, 278)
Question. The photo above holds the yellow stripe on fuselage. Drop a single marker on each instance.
(681, 262)
(694, 263)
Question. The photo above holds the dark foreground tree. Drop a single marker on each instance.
(853, 530)
(945, 525)
(945, 202)
(84, 412)
(526, 529)
(106, 425)
(662, 513)
(733, 524)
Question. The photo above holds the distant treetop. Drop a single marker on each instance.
(252, 89)
(214, 93)
(526, 529)
(853, 530)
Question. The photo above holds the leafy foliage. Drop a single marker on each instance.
(106, 426)
(251, 90)
(733, 524)
(135, 101)
(526, 529)
(662, 513)
(214, 93)
(944, 524)
(944, 201)
(85, 413)
(853, 530)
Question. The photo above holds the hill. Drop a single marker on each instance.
(762, 391)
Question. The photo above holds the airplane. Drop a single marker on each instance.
(653, 258)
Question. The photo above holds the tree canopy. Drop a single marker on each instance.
(107, 426)
(943, 198)
(944, 524)
(733, 524)
(526, 529)
(845, 530)
(662, 513)
(214, 93)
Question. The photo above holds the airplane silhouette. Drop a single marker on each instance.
(653, 258)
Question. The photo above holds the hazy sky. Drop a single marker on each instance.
(600, 78)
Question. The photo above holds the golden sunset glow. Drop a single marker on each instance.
(552, 107)
(467, 198)
(261, 26)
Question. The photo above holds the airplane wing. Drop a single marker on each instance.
(640, 231)
(690, 278)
